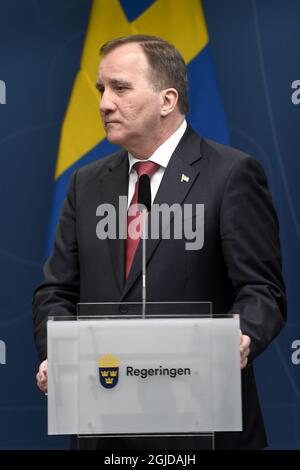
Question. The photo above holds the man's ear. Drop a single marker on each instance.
(169, 101)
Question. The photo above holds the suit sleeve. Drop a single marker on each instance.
(58, 294)
(251, 248)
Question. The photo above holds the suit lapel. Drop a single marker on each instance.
(114, 184)
(175, 185)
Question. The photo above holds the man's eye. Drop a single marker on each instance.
(100, 89)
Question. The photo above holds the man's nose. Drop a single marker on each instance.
(107, 102)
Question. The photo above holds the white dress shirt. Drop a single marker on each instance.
(161, 156)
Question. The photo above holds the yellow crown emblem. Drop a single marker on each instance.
(108, 361)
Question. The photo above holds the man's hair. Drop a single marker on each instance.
(167, 66)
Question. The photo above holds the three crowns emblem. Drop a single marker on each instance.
(108, 370)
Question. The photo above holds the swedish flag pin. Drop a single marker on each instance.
(185, 178)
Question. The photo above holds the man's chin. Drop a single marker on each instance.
(114, 138)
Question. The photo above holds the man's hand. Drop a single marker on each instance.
(42, 377)
(244, 349)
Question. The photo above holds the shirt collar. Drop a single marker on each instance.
(164, 152)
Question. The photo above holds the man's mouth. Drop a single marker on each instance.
(111, 122)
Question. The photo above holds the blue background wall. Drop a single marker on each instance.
(254, 45)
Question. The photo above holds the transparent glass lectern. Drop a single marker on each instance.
(141, 371)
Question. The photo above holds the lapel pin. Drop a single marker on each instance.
(185, 178)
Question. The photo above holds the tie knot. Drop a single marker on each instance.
(146, 168)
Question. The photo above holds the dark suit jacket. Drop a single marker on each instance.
(238, 268)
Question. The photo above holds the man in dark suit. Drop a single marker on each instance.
(143, 86)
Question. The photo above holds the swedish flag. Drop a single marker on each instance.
(180, 22)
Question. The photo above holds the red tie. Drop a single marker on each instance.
(142, 168)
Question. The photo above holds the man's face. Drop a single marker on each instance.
(129, 105)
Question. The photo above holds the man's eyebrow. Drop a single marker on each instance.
(119, 81)
(114, 82)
